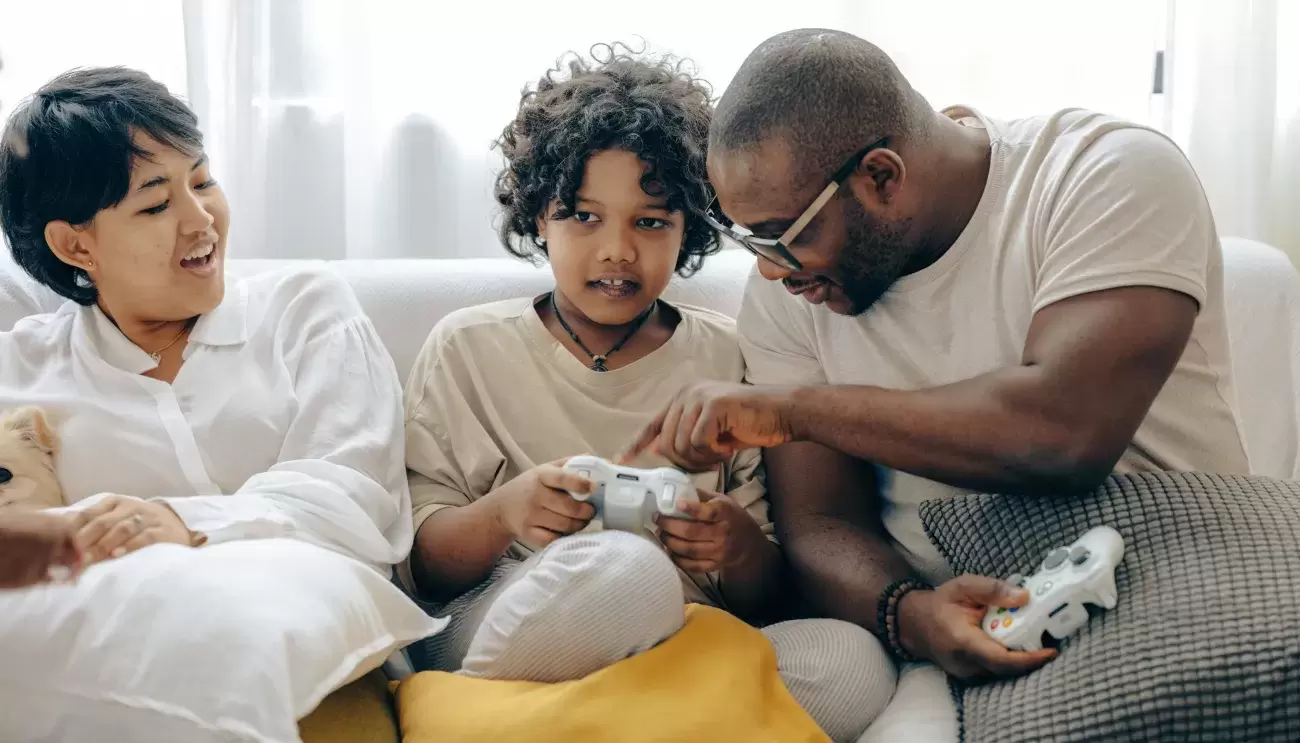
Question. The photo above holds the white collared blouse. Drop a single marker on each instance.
(284, 421)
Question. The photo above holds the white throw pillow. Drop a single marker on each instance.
(229, 642)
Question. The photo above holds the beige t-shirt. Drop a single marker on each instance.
(493, 394)
(1075, 202)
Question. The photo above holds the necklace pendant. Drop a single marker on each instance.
(157, 357)
(598, 364)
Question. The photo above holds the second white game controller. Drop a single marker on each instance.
(626, 498)
(1068, 578)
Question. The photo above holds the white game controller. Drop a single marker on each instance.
(1068, 578)
(626, 497)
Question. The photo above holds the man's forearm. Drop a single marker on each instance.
(842, 568)
(992, 432)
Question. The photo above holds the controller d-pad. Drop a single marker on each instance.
(1079, 555)
(1055, 559)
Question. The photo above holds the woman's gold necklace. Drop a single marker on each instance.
(157, 355)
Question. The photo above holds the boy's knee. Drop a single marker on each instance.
(601, 597)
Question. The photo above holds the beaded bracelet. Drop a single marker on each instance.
(887, 614)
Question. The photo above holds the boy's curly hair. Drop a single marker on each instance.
(619, 99)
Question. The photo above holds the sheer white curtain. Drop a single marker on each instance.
(1234, 107)
(344, 129)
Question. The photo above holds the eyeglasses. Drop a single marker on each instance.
(777, 250)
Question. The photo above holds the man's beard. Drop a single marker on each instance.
(874, 256)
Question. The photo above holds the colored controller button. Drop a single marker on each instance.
(994, 624)
(1006, 623)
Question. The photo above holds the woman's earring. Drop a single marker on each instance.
(90, 264)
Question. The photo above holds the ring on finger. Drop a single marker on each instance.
(138, 522)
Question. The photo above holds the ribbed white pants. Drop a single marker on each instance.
(589, 600)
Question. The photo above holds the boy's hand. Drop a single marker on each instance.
(536, 508)
(722, 534)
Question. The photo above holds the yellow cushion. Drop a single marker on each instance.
(715, 680)
(361, 712)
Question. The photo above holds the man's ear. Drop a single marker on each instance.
(879, 177)
(68, 244)
(32, 426)
(541, 228)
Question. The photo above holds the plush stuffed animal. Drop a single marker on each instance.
(28, 446)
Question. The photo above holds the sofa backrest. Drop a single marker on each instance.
(405, 298)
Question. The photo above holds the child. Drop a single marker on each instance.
(605, 179)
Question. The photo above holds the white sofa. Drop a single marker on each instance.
(404, 299)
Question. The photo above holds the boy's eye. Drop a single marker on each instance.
(209, 183)
(156, 209)
(5, 475)
(652, 223)
(585, 217)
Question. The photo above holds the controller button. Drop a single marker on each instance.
(1006, 623)
(584, 474)
(1055, 559)
(1001, 610)
(1047, 586)
(1016, 579)
(994, 624)
(670, 491)
(1015, 609)
(1079, 555)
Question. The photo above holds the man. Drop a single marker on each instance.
(946, 302)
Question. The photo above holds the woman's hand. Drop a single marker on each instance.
(37, 547)
(118, 525)
(718, 535)
(536, 508)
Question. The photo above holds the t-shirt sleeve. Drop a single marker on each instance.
(777, 336)
(747, 485)
(451, 459)
(1129, 211)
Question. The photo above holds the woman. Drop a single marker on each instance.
(605, 178)
(205, 427)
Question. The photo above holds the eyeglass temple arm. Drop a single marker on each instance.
(827, 193)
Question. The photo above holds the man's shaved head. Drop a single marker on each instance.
(825, 94)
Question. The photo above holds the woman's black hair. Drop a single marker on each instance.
(66, 154)
(618, 99)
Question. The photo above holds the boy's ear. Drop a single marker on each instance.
(541, 228)
(32, 426)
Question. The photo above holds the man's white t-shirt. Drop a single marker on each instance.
(1075, 202)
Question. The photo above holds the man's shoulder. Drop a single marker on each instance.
(1080, 142)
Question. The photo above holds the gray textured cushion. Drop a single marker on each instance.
(1204, 644)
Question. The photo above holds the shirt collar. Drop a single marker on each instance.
(227, 325)
(224, 326)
